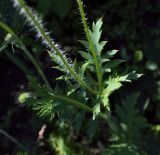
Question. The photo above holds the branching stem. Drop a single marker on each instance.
(77, 104)
(85, 107)
(53, 46)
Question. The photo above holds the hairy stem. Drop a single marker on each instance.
(91, 46)
(77, 104)
(37, 66)
(82, 106)
(53, 46)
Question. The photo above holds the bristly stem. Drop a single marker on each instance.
(77, 104)
(86, 108)
(37, 66)
(53, 46)
(91, 46)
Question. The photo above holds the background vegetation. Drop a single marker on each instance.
(131, 27)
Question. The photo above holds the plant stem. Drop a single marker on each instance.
(77, 104)
(91, 45)
(82, 106)
(20, 145)
(37, 66)
(53, 46)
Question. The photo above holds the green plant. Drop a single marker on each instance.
(78, 75)
(87, 85)
(130, 125)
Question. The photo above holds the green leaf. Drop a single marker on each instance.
(85, 44)
(112, 64)
(95, 35)
(96, 110)
(72, 89)
(109, 54)
(40, 100)
(59, 62)
(83, 68)
(87, 56)
(113, 84)
(104, 60)
(129, 77)
(101, 45)
(131, 122)
(96, 31)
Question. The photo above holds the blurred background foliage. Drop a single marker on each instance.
(133, 27)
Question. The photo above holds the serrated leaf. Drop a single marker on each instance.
(72, 89)
(96, 31)
(101, 46)
(129, 77)
(95, 35)
(83, 68)
(109, 54)
(112, 64)
(112, 52)
(59, 62)
(113, 84)
(131, 121)
(87, 56)
(41, 101)
(85, 44)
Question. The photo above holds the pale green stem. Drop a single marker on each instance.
(86, 108)
(9, 30)
(77, 104)
(49, 41)
(91, 45)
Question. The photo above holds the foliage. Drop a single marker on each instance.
(75, 73)
(130, 126)
(81, 95)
